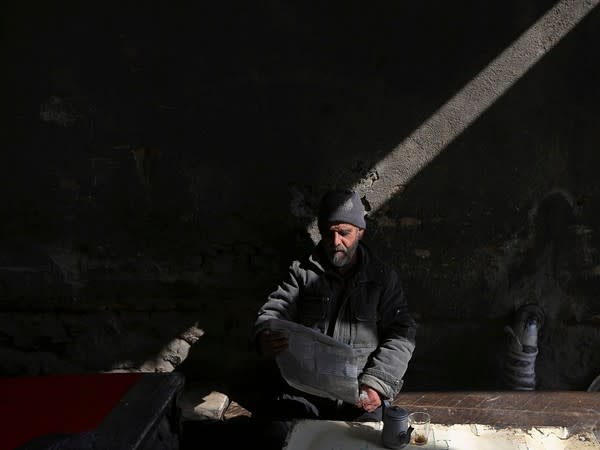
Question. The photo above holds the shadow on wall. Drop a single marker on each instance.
(250, 115)
(505, 216)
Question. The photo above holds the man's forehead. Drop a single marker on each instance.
(341, 226)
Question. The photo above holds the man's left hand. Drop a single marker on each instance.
(371, 402)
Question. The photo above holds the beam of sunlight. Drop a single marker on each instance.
(458, 113)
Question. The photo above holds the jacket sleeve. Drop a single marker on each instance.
(282, 302)
(387, 365)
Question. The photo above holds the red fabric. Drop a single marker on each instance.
(34, 406)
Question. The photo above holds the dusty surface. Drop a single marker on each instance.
(333, 435)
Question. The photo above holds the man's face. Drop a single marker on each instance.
(340, 242)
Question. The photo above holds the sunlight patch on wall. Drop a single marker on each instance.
(457, 114)
(426, 142)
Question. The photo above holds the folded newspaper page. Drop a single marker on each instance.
(316, 363)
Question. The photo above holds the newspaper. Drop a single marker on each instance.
(316, 363)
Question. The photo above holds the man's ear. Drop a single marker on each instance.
(361, 233)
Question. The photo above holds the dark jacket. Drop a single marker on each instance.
(373, 315)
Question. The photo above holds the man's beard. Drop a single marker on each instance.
(341, 256)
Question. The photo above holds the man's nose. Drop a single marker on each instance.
(337, 239)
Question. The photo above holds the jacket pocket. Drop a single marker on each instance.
(364, 326)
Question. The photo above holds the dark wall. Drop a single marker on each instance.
(160, 165)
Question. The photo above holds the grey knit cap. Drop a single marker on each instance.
(342, 206)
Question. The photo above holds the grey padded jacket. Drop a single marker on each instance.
(373, 315)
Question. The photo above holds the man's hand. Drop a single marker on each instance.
(271, 344)
(369, 399)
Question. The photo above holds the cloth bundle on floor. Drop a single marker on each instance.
(522, 349)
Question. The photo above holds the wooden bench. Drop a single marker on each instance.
(134, 411)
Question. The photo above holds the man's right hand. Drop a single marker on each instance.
(271, 344)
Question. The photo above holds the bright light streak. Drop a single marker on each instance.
(458, 113)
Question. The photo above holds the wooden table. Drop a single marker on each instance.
(575, 410)
(114, 411)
